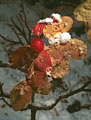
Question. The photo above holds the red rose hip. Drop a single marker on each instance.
(37, 45)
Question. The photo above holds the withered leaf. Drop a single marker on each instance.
(22, 57)
(60, 54)
(61, 69)
(83, 11)
(38, 79)
(20, 96)
(43, 61)
(44, 90)
(50, 30)
(67, 23)
(60, 62)
(76, 49)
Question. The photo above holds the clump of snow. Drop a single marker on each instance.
(56, 16)
(65, 37)
(60, 37)
(46, 20)
(50, 20)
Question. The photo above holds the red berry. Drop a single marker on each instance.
(37, 45)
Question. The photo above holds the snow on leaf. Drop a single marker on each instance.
(22, 57)
(43, 61)
(67, 23)
(20, 95)
(83, 11)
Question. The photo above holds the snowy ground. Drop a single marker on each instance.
(78, 69)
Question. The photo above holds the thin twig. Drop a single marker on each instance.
(23, 30)
(81, 89)
(6, 102)
(13, 29)
(6, 65)
(25, 19)
(8, 40)
(64, 4)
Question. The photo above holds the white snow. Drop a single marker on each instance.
(56, 16)
(60, 37)
(46, 20)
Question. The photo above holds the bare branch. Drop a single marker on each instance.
(25, 18)
(6, 65)
(81, 89)
(8, 40)
(14, 30)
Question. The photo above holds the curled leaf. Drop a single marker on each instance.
(20, 96)
(67, 23)
(43, 61)
(22, 57)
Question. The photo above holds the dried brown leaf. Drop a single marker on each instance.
(76, 49)
(61, 53)
(67, 23)
(20, 96)
(44, 90)
(83, 11)
(61, 69)
(43, 61)
(50, 30)
(40, 82)
(22, 57)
